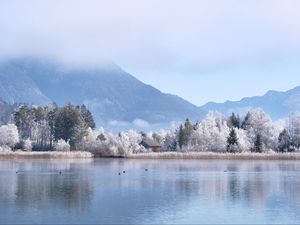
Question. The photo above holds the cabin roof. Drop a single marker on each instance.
(150, 142)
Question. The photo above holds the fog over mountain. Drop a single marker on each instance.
(115, 97)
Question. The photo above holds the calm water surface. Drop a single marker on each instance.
(170, 192)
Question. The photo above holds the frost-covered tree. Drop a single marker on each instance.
(27, 145)
(210, 134)
(243, 140)
(92, 140)
(107, 144)
(62, 145)
(9, 135)
(258, 124)
(293, 128)
(129, 143)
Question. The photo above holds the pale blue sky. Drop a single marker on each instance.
(228, 84)
(202, 50)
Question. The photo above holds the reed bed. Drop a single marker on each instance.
(217, 156)
(46, 155)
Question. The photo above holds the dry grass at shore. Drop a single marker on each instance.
(161, 155)
(220, 156)
(46, 155)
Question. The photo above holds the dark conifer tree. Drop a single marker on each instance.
(245, 122)
(87, 117)
(234, 121)
(181, 137)
(284, 141)
(258, 143)
(232, 141)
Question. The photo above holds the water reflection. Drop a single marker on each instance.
(171, 191)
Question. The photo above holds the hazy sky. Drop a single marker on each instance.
(210, 50)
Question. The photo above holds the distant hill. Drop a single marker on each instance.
(276, 104)
(110, 93)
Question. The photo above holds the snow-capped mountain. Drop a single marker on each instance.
(276, 104)
(114, 96)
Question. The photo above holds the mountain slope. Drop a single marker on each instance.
(6, 111)
(276, 104)
(17, 87)
(108, 91)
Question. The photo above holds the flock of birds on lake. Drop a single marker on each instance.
(60, 173)
(124, 171)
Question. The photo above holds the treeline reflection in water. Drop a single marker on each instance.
(150, 191)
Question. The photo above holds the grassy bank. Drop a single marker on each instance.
(161, 155)
(221, 156)
(46, 155)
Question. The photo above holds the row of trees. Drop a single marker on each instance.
(255, 132)
(48, 126)
(73, 127)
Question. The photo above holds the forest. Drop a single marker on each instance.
(70, 128)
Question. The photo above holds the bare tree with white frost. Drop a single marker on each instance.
(9, 135)
(257, 122)
(210, 134)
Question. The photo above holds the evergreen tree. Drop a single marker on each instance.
(170, 143)
(234, 121)
(188, 129)
(69, 125)
(258, 144)
(51, 123)
(284, 141)
(143, 134)
(101, 137)
(23, 120)
(232, 141)
(245, 122)
(44, 125)
(181, 137)
(87, 117)
(185, 132)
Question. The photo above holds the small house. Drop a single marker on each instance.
(150, 145)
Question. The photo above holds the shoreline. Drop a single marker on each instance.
(46, 155)
(216, 156)
(158, 156)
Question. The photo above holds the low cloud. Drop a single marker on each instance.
(140, 123)
(152, 35)
(137, 123)
(162, 41)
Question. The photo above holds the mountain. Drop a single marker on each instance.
(6, 111)
(113, 95)
(17, 87)
(277, 104)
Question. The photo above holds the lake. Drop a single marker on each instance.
(91, 191)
